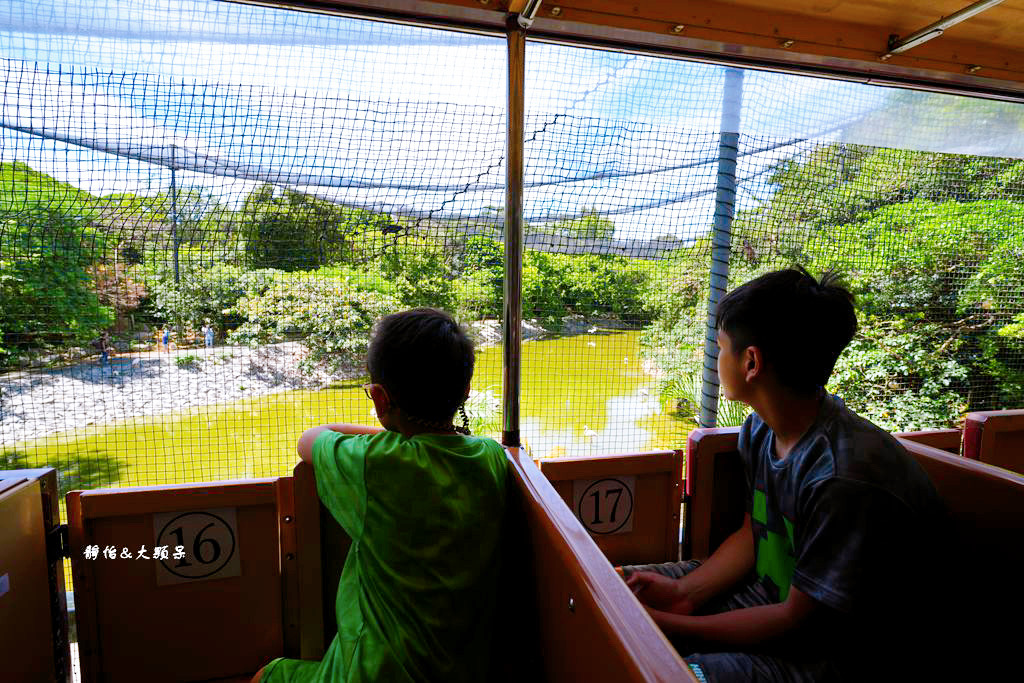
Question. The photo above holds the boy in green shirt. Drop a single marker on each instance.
(423, 502)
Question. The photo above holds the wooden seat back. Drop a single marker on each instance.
(715, 483)
(944, 439)
(984, 554)
(629, 503)
(220, 611)
(586, 624)
(996, 437)
(985, 506)
(33, 610)
(715, 490)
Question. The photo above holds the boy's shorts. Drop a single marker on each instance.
(726, 667)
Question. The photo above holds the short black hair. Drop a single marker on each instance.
(800, 324)
(425, 361)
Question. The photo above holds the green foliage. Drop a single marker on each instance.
(330, 317)
(368, 279)
(905, 375)
(1001, 274)
(587, 284)
(477, 296)
(480, 269)
(677, 287)
(46, 292)
(483, 408)
(1014, 330)
(200, 295)
(22, 189)
(290, 230)
(931, 246)
(590, 225)
(680, 395)
(187, 362)
(422, 273)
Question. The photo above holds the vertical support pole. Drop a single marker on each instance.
(721, 238)
(513, 309)
(174, 216)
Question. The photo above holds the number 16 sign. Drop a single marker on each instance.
(604, 506)
(208, 539)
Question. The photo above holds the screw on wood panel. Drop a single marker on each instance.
(555, 11)
(572, 605)
(787, 43)
(678, 28)
(290, 556)
(287, 519)
(885, 58)
(974, 68)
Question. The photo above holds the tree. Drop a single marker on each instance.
(294, 231)
(47, 295)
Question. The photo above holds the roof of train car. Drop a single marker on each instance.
(983, 54)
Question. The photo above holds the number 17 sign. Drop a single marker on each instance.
(604, 506)
(208, 540)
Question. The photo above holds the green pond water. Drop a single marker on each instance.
(582, 395)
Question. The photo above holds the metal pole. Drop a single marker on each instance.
(174, 217)
(721, 238)
(513, 309)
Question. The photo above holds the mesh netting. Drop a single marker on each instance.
(206, 206)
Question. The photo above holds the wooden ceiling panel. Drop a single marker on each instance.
(982, 55)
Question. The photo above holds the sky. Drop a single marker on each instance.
(109, 94)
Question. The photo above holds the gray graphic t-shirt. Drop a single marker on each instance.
(848, 517)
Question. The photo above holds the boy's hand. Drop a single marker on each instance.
(661, 592)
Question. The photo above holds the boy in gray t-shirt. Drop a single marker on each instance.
(830, 569)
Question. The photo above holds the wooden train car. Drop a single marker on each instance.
(264, 557)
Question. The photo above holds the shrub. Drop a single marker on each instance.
(421, 273)
(200, 294)
(330, 317)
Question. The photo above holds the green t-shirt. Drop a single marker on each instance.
(417, 593)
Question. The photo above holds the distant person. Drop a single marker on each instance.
(166, 338)
(423, 502)
(104, 348)
(102, 344)
(828, 577)
(208, 335)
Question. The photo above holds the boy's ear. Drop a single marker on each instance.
(381, 399)
(753, 363)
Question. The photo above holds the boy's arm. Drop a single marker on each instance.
(305, 445)
(730, 562)
(747, 626)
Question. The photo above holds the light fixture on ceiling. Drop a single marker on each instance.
(934, 30)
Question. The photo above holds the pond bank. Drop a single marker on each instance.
(38, 403)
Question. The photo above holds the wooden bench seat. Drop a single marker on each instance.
(564, 613)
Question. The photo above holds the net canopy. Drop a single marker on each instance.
(313, 102)
(204, 207)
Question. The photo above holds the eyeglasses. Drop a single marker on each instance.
(366, 390)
